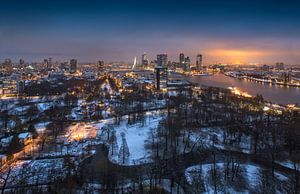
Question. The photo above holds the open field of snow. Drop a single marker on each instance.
(41, 127)
(134, 134)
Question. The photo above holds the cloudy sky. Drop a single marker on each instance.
(117, 30)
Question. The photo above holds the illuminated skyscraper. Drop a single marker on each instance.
(187, 63)
(181, 59)
(73, 66)
(100, 65)
(161, 77)
(21, 65)
(199, 62)
(8, 66)
(144, 59)
(279, 66)
(49, 63)
(162, 60)
(46, 63)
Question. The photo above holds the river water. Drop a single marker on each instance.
(274, 93)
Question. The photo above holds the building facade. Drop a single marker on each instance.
(199, 62)
(161, 77)
(73, 66)
(144, 60)
(162, 60)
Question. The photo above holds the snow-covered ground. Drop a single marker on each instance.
(135, 136)
(80, 131)
(202, 173)
(44, 106)
(36, 171)
(289, 164)
(128, 186)
(76, 141)
(18, 110)
(41, 127)
(209, 137)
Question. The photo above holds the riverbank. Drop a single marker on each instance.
(260, 80)
(272, 93)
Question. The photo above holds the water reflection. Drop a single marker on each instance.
(274, 93)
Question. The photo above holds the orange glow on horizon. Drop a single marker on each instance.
(237, 56)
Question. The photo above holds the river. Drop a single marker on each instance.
(274, 93)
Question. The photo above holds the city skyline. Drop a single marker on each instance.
(224, 32)
(149, 96)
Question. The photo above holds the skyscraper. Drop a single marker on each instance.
(162, 60)
(46, 63)
(49, 63)
(187, 63)
(21, 64)
(161, 77)
(73, 66)
(199, 62)
(100, 65)
(144, 59)
(8, 66)
(181, 59)
(279, 66)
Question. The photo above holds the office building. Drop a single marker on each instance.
(73, 66)
(279, 66)
(161, 77)
(49, 63)
(187, 64)
(46, 63)
(162, 60)
(144, 60)
(7, 65)
(181, 59)
(199, 62)
(21, 64)
(100, 66)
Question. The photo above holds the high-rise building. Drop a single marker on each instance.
(181, 59)
(199, 62)
(49, 63)
(162, 60)
(265, 67)
(279, 66)
(73, 66)
(161, 77)
(7, 65)
(21, 64)
(144, 60)
(100, 65)
(187, 63)
(63, 66)
(46, 63)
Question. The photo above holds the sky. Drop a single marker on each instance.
(224, 31)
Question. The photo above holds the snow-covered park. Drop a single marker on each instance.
(127, 141)
(249, 174)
